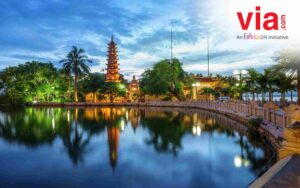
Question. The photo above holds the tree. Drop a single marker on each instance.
(92, 83)
(262, 85)
(66, 74)
(289, 61)
(112, 91)
(292, 86)
(32, 81)
(165, 78)
(75, 63)
(225, 91)
(283, 83)
(208, 91)
(271, 77)
(251, 81)
(228, 84)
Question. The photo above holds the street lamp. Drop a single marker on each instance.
(239, 75)
(196, 85)
(122, 86)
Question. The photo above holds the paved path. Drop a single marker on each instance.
(285, 173)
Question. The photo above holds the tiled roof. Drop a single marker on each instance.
(205, 79)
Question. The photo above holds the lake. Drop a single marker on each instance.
(127, 147)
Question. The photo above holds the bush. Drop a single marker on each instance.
(255, 122)
(15, 100)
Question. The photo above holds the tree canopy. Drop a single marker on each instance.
(33, 81)
(165, 78)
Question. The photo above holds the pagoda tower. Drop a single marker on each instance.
(112, 74)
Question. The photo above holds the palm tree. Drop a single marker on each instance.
(292, 86)
(283, 83)
(75, 63)
(262, 85)
(251, 82)
(229, 82)
(289, 61)
(270, 75)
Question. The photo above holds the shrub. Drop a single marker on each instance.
(255, 122)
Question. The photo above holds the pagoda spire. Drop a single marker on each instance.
(112, 74)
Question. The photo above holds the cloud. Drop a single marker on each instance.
(46, 31)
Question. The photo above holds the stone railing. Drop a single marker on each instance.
(269, 112)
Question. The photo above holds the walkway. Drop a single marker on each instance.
(285, 173)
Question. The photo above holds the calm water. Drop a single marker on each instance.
(126, 147)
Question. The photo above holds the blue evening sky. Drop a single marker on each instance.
(45, 30)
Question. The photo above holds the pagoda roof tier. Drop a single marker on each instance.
(112, 71)
(112, 63)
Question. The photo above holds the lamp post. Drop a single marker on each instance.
(196, 85)
(239, 75)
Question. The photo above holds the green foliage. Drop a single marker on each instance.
(228, 86)
(13, 100)
(251, 81)
(284, 82)
(208, 91)
(32, 81)
(225, 91)
(111, 91)
(289, 61)
(75, 63)
(255, 122)
(165, 78)
(135, 96)
(92, 83)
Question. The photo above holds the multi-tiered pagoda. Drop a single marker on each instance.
(112, 74)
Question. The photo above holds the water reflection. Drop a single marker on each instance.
(164, 130)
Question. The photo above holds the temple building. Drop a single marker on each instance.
(196, 90)
(133, 89)
(112, 74)
(112, 70)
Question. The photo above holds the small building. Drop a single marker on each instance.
(195, 91)
(133, 89)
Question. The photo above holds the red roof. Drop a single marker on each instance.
(205, 79)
